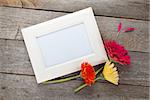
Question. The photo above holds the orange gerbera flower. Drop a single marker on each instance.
(88, 73)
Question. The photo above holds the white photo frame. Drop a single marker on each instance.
(59, 46)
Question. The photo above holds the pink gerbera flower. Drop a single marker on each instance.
(117, 52)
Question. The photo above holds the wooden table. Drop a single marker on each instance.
(17, 81)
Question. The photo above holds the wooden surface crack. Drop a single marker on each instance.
(21, 3)
(18, 30)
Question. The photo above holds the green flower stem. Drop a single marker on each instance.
(62, 80)
(84, 85)
(68, 78)
(117, 36)
(99, 78)
(80, 87)
(99, 70)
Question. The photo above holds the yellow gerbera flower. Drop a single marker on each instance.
(110, 73)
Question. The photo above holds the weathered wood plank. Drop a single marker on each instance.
(138, 9)
(134, 41)
(7, 25)
(138, 71)
(19, 87)
(14, 59)
(13, 19)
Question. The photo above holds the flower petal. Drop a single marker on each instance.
(88, 73)
(117, 52)
(110, 73)
(129, 29)
(119, 26)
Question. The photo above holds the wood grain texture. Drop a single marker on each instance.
(17, 81)
(14, 59)
(8, 26)
(137, 9)
(18, 87)
(13, 19)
